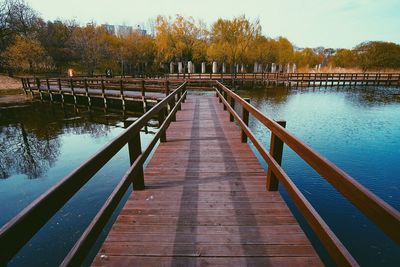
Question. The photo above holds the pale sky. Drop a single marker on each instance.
(306, 23)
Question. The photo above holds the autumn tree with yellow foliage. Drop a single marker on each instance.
(180, 39)
(27, 55)
(232, 40)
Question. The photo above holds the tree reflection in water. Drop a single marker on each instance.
(22, 151)
(30, 134)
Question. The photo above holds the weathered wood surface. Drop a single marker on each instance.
(205, 203)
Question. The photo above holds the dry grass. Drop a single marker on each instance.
(8, 83)
(11, 90)
(345, 70)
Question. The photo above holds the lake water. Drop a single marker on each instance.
(39, 144)
(356, 128)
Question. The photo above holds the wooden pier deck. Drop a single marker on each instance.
(205, 203)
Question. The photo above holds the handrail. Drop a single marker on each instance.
(78, 253)
(328, 238)
(19, 230)
(382, 214)
(130, 84)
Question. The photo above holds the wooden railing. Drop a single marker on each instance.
(367, 76)
(30, 220)
(382, 214)
(121, 85)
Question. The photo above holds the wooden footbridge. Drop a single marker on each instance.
(203, 199)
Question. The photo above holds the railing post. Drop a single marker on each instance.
(166, 87)
(48, 89)
(72, 89)
(121, 86)
(179, 97)
(87, 92)
(143, 89)
(225, 97)
(24, 85)
(171, 107)
(103, 94)
(135, 150)
(60, 91)
(220, 91)
(161, 118)
(232, 103)
(183, 92)
(276, 149)
(38, 87)
(245, 118)
(28, 81)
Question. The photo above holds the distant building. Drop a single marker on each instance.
(122, 30)
(109, 28)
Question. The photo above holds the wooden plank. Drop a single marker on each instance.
(205, 203)
(125, 260)
(206, 250)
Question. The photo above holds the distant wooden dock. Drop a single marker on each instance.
(204, 198)
(123, 90)
(299, 79)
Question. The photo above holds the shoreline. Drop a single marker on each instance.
(11, 91)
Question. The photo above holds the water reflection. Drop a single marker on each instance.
(21, 151)
(30, 134)
(367, 96)
(374, 96)
(44, 142)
